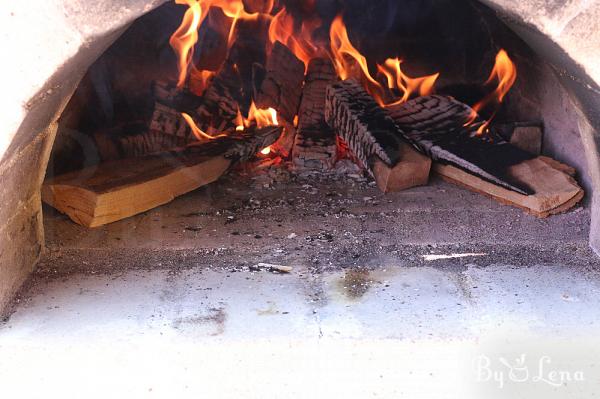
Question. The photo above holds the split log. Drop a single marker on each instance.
(486, 164)
(167, 130)
(374, 139)
(118, 189)
(437, 124)
(315, 144)
(221, 101)
(249, 47)
(281, 86)
(528, 136)
(554, 190)
(412, 170)
(365, 127)
(170, 122)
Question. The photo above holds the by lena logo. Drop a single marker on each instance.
(539, 370)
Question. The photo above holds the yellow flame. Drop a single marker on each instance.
(505, 73)
(200, 135)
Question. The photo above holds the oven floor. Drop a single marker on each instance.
(323, 224)
(165, 304)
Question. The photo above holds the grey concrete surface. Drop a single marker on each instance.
(388, 332)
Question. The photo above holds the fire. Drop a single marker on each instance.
(261, 117)
(505, 73)
(200, 135)
(186, 36)
(343, 52)
(266, 150)
(396, 79)
(300, 42)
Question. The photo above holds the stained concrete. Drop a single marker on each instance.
(389, 331)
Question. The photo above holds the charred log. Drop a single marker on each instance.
(437, 125)
(281, 83)
(315, 144)
(365, 127)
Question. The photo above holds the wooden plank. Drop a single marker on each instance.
(554, 190)
(374, 138)
(411, 171)
(118, 189)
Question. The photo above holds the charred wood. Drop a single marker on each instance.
(315, 143)
(281, 83)
(363, 125)
(437, 124)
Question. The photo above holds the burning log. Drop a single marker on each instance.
(485, 164)
(118, 189)
(436, 124)
(374, 138)
(167, 94)
(221, 101)
(281, 86)
(315, 145)
(167, 130)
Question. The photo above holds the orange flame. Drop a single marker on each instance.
(186, 36)
(346, 57)
(262, 117)
(342, 49)
(505, 72)
(300, 43)
(200, 135)
(396, 79)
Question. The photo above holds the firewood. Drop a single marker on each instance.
(221, 101)
(118, 189)
(315, 144)
(374, 139)
(412, 170)
(365, 127)
(180, 100)
(166, 130)
(555, 191)
(169, 122)
(249, 47)
(527, 136)
(437, 124)
(281, 86)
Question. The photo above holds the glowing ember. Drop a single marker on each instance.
(266, 150)
(505, 73)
